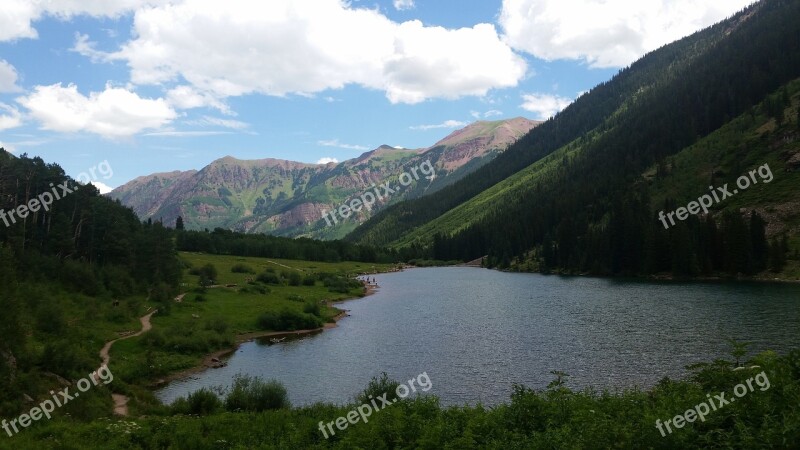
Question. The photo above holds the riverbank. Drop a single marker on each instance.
(217, 359)
(790, 274)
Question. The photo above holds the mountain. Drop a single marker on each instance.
(289, 198)
(581, 192)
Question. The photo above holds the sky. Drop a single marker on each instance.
(161, 85)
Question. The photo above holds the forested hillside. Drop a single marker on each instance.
(71, 272)
(589, 207)
(76, 267)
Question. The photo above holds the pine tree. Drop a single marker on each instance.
(179, 224)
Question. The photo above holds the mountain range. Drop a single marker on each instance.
(289, 198)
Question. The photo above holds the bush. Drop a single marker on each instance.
(313, 308)
(202, 402)
(256, 395)
(269, 278)
(288, 320)
(200, 298)
(309, 280)
(255, 289)
(207, 273)
(377, 387)
(217, 324)
(295, 279)
(242, 268)
(340, 284)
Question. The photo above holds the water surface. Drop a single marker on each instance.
(477, 332)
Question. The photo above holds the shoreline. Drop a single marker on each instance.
(214, 359)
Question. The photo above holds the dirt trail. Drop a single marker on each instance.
(121, 401)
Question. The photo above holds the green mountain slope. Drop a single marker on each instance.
(587, 207)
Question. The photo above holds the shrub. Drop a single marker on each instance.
(377, 387)
(309, 280)
(242, 268)
(287, 320)
(269, 278)
(255, 289)
(202, 402)
(217, 324)
(313, 308)
(341, 284)
(295, 279)
(256, 395)
(200, 298)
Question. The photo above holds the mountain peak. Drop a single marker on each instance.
(500, 133)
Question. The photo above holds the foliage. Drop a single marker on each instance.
(288, 320)
(557, 417)
(255, 395)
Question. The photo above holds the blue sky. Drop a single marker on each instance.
(162, 85)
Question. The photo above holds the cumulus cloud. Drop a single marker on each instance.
(8, 77)
(115, 112)
(17, 17)
(336, 143)
(544, 105)
(606, 33)
(445, 124)
(10, 117)
(237, 47)
(402, 5)
(187, 97)
(327, 160)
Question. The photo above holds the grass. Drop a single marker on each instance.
(184, 333)
(553, 418)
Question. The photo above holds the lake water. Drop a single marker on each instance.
(477, 332)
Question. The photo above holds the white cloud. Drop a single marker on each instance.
(115, 112)
(445, 124)
(174, 133)
(488, 114)
(238, 47)
(402, 5)
(14, 147)
(187, 97)
(433, 62)
(336, 143)
(102, 187)
(8, 77)
(545, 105)
(17, 16)
(606, 33)
(10, 117)
(327, 160)
(217, 122)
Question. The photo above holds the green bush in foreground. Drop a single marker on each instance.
(554, 418)
(255, 395)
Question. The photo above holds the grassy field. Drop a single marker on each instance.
(208, 320)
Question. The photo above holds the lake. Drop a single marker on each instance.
(477, 332)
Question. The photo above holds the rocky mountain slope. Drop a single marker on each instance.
(289, 198)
